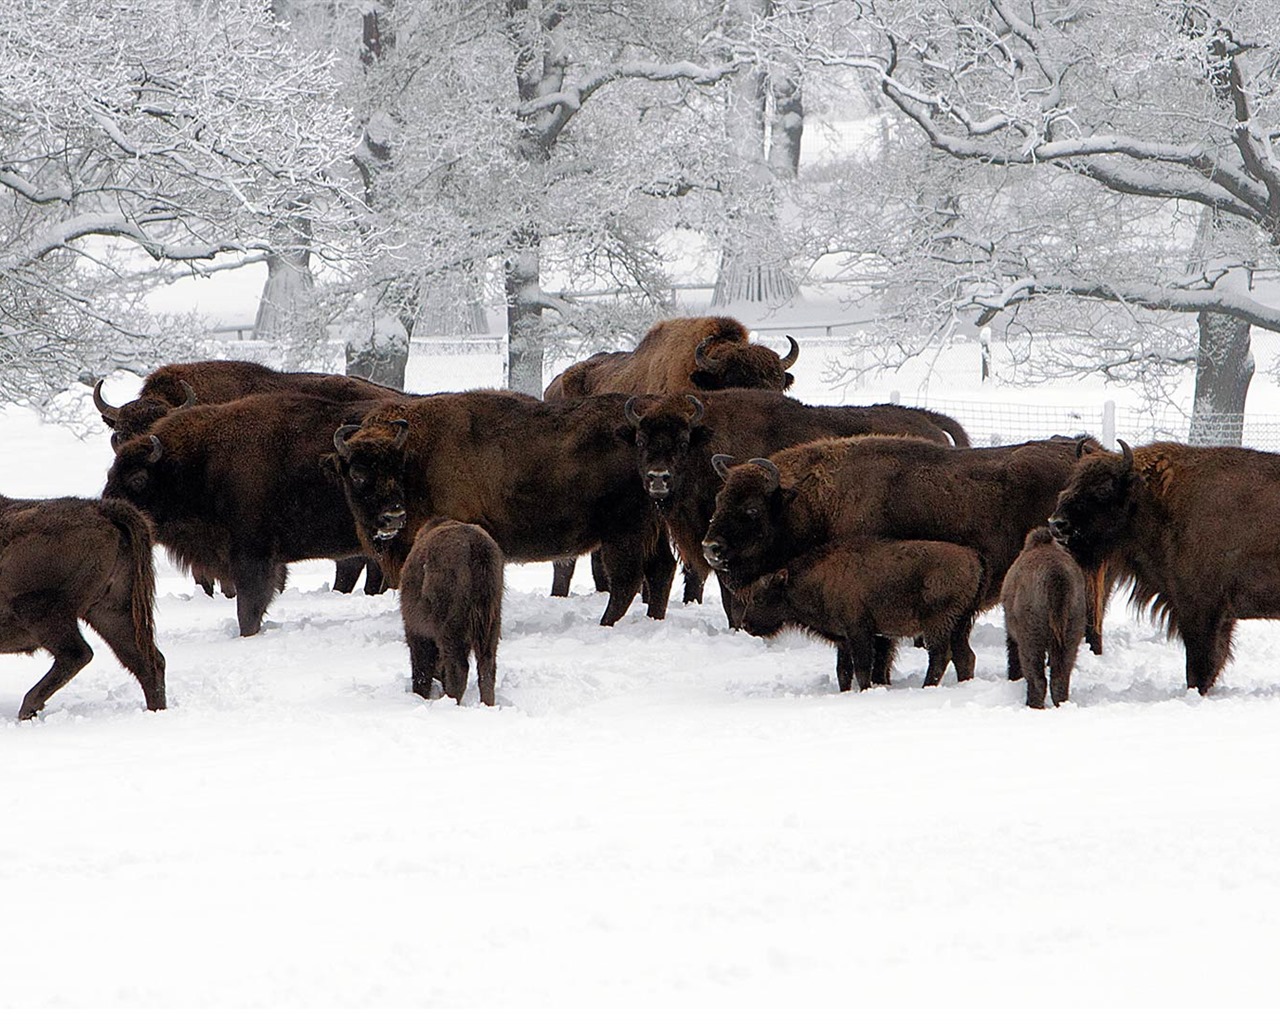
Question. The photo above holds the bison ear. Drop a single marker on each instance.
(699, 436)
(626, 433)
(790, 379)
(704, 381)
(329, 465)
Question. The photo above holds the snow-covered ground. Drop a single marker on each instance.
(659, 814)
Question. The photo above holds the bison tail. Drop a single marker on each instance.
(136, 529)
(959, 437)
(1058, 585)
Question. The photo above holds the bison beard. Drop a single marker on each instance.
(1171, 519)
(66, 559)
(545, 480)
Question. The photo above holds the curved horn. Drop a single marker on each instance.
(101, 403)
(402, 432)
(722, 463)
(1080, 443)
(340, 438)
(789, 360)
(191, 399)
(699, 410)
(157, 450)
(1128, 455)
(700, 355)
(629, 411)
(769, 468)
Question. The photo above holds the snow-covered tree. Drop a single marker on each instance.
(186, 134)
(1087, 144)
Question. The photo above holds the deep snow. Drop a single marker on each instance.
(660, 814)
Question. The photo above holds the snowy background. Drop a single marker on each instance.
(663, 813)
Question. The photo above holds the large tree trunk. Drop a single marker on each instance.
(286, 311)
(525, 328)
(1224, 368)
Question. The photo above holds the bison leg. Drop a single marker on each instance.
(455, 671)
(884, 649)
(844, 667)
(1011, 654)
(694, 582)
(424, 655)
(962, 655)
(562, 576)
(115, 625)
(346, 571)
(861, 648)
(1033, 667)
(732, 610)
(598, 574)
(939, 648)
(1208, 648)
(659, 572)
(374, 581)
(56, 630)
(1062, 660)
(256, 581)
(624, 563)
(204, 579)
(487, 673)
(227, 587)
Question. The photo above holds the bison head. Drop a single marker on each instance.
(743, 540)
(370, 463)
(147, 476)
(135, 419)
(663, 436)
(763, 607)
(1096, 508)
(742, 366)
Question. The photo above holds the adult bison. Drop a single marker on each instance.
(702, 353)
(67, 559)
(213, 381)
(239, 488)
(676, 435)
(1194, 529)
(545, 479)
(889, 488)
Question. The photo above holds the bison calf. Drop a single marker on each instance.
(1045, 607)
(451, 602)
(853, 592)
(66, 559)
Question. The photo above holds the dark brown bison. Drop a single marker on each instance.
(66, 559)
(545, 479)
(676, 435)
(1045, 608)
(851, 593)
(451, 602)
(1192, 528)
(239, 489)
(771, 511)
(213, 381)
(703, 353)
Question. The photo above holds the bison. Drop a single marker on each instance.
(771, 511)
(704, 353)
(1045, 608)
(213, 381)
(545, 479)
(451, 602)
(851, 593)
(676, 435)
(66, 559)
(1191, 528)
(239, 488)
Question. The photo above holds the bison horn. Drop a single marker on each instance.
(157, 451)
(101, 403)
(190, 399)
(402, 433)
(1080, 443)
(340, 438)
(722, 463)
(769, 468)
(1128, 456)
(699, 410)
(629, 411)
(700, 356)
(789, 360)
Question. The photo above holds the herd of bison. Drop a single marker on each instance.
(863, 525)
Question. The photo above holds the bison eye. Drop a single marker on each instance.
(136, 481)
(359, 478)
(753, 512)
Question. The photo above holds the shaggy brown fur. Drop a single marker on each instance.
(850, 593)
(66, 559)
(239, 488)
(451, 602)
(545, 479)
(1192, 528)
(1045, 608)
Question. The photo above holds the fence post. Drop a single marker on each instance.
(895, 397)
(1109, 423)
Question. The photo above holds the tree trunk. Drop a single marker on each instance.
(1224, 368)
(286, 313)
(525, 328)
(786, 125)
